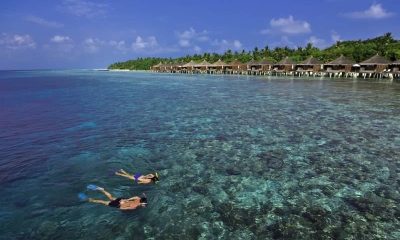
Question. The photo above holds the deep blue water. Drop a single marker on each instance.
(239, 157)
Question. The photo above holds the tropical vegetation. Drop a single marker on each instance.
(357, 50)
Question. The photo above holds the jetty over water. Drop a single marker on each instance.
(374, 67)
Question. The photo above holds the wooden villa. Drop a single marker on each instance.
(253, 67)
(201, 67)
(266, 66)
(217, 67)
(285, 66)
(259, 67)
(375, 66)
(236, 67)
(176, 67)
(395, 69)
(188, 67)
(340, 67)
(309, 67)
(156, 68)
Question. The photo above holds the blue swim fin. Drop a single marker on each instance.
(82, 196)
(92, 187)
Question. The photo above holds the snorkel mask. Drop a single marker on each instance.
(155, 178)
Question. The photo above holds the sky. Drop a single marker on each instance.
(54, 34)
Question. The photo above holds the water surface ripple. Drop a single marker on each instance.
(239, 157)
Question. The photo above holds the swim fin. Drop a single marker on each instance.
(92, 187)
(82, 196)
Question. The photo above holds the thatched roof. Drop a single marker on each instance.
(235, 63)
(253, 62)
(158, 65)
(310, 61)
(219, 63)
(265, 62)
(286, 61)
(342, 60)
(376, 60)
(177, 65)
(189, 64)
(202, 64)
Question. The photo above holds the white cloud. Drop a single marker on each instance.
(92, 45)
(317, 42)
(119, 45)
(197, 49)
(223, 44)
(335, 37)
(141, 44)
(83, 8)
(43, 22)
(287, 26)
(375, 11)
(189, 37)
(284, 42)
(60, 39)
(17, 41)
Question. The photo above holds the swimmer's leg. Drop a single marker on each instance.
(108, 195)
(122, 173)
(99, 201)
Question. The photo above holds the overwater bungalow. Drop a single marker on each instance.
(340, 67)
(309, 67)
(164, 67)
(376, 66)
(285, 66)
(236, 67)
(217, 67)
(266, 66)
(253, 67)
(156, 68)
(201, 67)
(395, 69)
(188, 67)
(259, 67)
(175, 67)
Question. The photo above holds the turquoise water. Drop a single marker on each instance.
(239, 157)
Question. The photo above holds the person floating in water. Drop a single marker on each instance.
(139, 178)
(121, 203)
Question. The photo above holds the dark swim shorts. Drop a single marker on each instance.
(137, 176)
(115, 203)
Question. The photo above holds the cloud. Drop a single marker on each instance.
(317, 42)
(43, 22)
(141, 44)
(284, 42)
(60, 39)
(189, 37)
(92, 45)
(375, 11)
(17, 41)
(83, 8)
(287, 26)
(119, 45)
(335, 37)
(223, 44)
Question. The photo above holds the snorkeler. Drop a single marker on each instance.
(139, 178)
(121, 203)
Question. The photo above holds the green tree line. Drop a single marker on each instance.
(358, 50)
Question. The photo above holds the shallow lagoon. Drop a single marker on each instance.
(239, 157)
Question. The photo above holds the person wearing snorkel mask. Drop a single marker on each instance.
(120, 203)
(139, 178)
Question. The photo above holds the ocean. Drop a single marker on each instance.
(239, 157)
